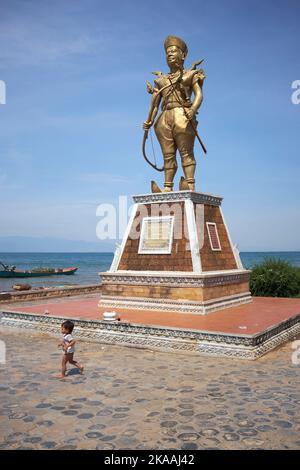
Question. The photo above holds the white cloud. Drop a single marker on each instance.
(36, 120)
(37, 39)
(39, 33)
(103, 178)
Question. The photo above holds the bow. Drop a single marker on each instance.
(145, 155)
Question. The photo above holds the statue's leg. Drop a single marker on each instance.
(170, 164)
(163, 129)
(188, 166)
(185, 139)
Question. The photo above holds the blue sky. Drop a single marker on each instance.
(70, 131)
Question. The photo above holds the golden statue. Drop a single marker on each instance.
(176, 126)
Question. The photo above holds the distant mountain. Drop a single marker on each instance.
(37, 245)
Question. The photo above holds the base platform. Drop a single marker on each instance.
(246, 332)
(176, 255)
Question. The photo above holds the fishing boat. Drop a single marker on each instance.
(11, 271)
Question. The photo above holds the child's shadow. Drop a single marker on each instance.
(74, 372)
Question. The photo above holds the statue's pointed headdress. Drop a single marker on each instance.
(176, 41)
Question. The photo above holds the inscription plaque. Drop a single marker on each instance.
(156, 235)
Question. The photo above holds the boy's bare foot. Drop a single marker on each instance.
(81, 369)
(60, 376)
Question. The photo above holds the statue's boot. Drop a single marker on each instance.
(155, 188)
(191, 184)
(183, 184)
(168, 187)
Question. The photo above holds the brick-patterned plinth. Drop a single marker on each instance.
(198, 270)
(190, 293)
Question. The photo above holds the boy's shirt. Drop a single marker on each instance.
(67, 339)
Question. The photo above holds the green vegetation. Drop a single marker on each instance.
(275, 278)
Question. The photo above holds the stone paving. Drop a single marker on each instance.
(138, 399)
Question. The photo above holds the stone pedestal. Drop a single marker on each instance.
(176, 255)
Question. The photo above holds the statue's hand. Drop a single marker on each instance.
(201, 75)
(147, 125)
(190, 113)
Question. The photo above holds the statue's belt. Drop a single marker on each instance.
(175, 104)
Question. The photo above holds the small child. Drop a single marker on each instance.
(67, 344)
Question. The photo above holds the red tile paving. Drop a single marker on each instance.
(255, 317)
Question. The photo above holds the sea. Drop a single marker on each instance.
(91, 264)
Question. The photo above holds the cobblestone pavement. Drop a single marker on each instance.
(139, 399)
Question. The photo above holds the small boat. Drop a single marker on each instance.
(11, 271)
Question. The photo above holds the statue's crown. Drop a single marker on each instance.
(176, 41)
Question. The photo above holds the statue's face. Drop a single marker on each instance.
(175, 56)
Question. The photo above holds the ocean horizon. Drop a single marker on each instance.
(90, 264)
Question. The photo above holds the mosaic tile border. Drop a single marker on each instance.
(198, 198)
(218, 344)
